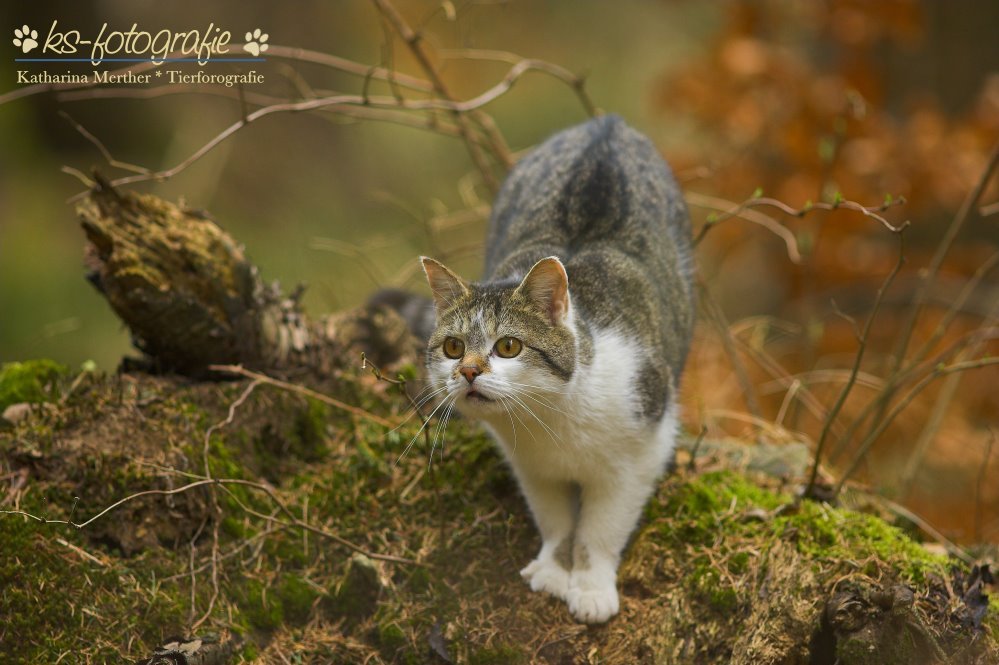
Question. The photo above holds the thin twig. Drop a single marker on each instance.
(108, 157)
(908, 375)
(740, 210)
(927, 528)
(380, 113)
(957, 305)
(413, 41)
(302, 390)
(338, 100)
(858, 357)
(885, 422)
(927, 276)
(577, 82)
(714, 314)
(401, 383)
(745, 210)
(293, 521)
(982, 470)
(216, 508)
(897, 358)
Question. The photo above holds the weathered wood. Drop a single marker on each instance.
(191, 298)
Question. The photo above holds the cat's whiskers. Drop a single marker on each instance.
(513, 427)
(520, 420)
(555, 437)
(423, 427)
(441, 429)
(540, 394)
(415, 408)
(539, 398)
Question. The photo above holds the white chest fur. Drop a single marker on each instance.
(590, 430)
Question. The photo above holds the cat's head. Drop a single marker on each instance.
(502, 345)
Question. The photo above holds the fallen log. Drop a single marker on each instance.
(191, 298)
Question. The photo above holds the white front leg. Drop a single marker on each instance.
(608, 513)
(551, 504)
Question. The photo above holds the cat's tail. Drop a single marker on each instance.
(417, 311)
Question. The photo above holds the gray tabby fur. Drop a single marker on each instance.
(588, 268)
(599, 197)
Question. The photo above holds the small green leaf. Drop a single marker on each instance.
(757, 193)
(827, 149)
(888, 199)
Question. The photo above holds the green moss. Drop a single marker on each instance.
(261, 610)
(419, 580)
(738, 563)
(53, 599)
(464, 521)
(29, 381)
(992, 615)
(296, 597)
(249, 652)
(709, 585)
(266, 607)
(693, 514)
(307, 436)
(503, 654)
(391, 636)
(823, 532)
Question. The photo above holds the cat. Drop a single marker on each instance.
(570, 349)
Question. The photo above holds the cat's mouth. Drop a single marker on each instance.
(476, 396)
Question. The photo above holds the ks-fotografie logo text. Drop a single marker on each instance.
(110, 45)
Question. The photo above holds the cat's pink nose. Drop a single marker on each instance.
(469, 372)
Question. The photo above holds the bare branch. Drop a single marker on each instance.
(102, 148)
(731, 210)
(578, 83)
(884, 423)
(745, 210)
(717, 318)
(927, 276)
(302, 390)
(413, 42)
(908, 375)
(858, 357)
(222, 482)
(335, 100)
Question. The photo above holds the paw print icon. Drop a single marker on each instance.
(256, 42)
(25, 38)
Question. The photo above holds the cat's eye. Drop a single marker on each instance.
(454, 347)
(508, 347)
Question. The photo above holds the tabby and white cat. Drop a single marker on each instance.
(570, 350)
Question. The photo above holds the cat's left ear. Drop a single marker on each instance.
(547, 285)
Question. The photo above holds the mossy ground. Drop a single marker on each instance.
(722, 567)
(31, 381)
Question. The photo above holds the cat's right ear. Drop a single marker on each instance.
(445, 285)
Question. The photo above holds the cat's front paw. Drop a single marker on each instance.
(547, 576)
(592, 598)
